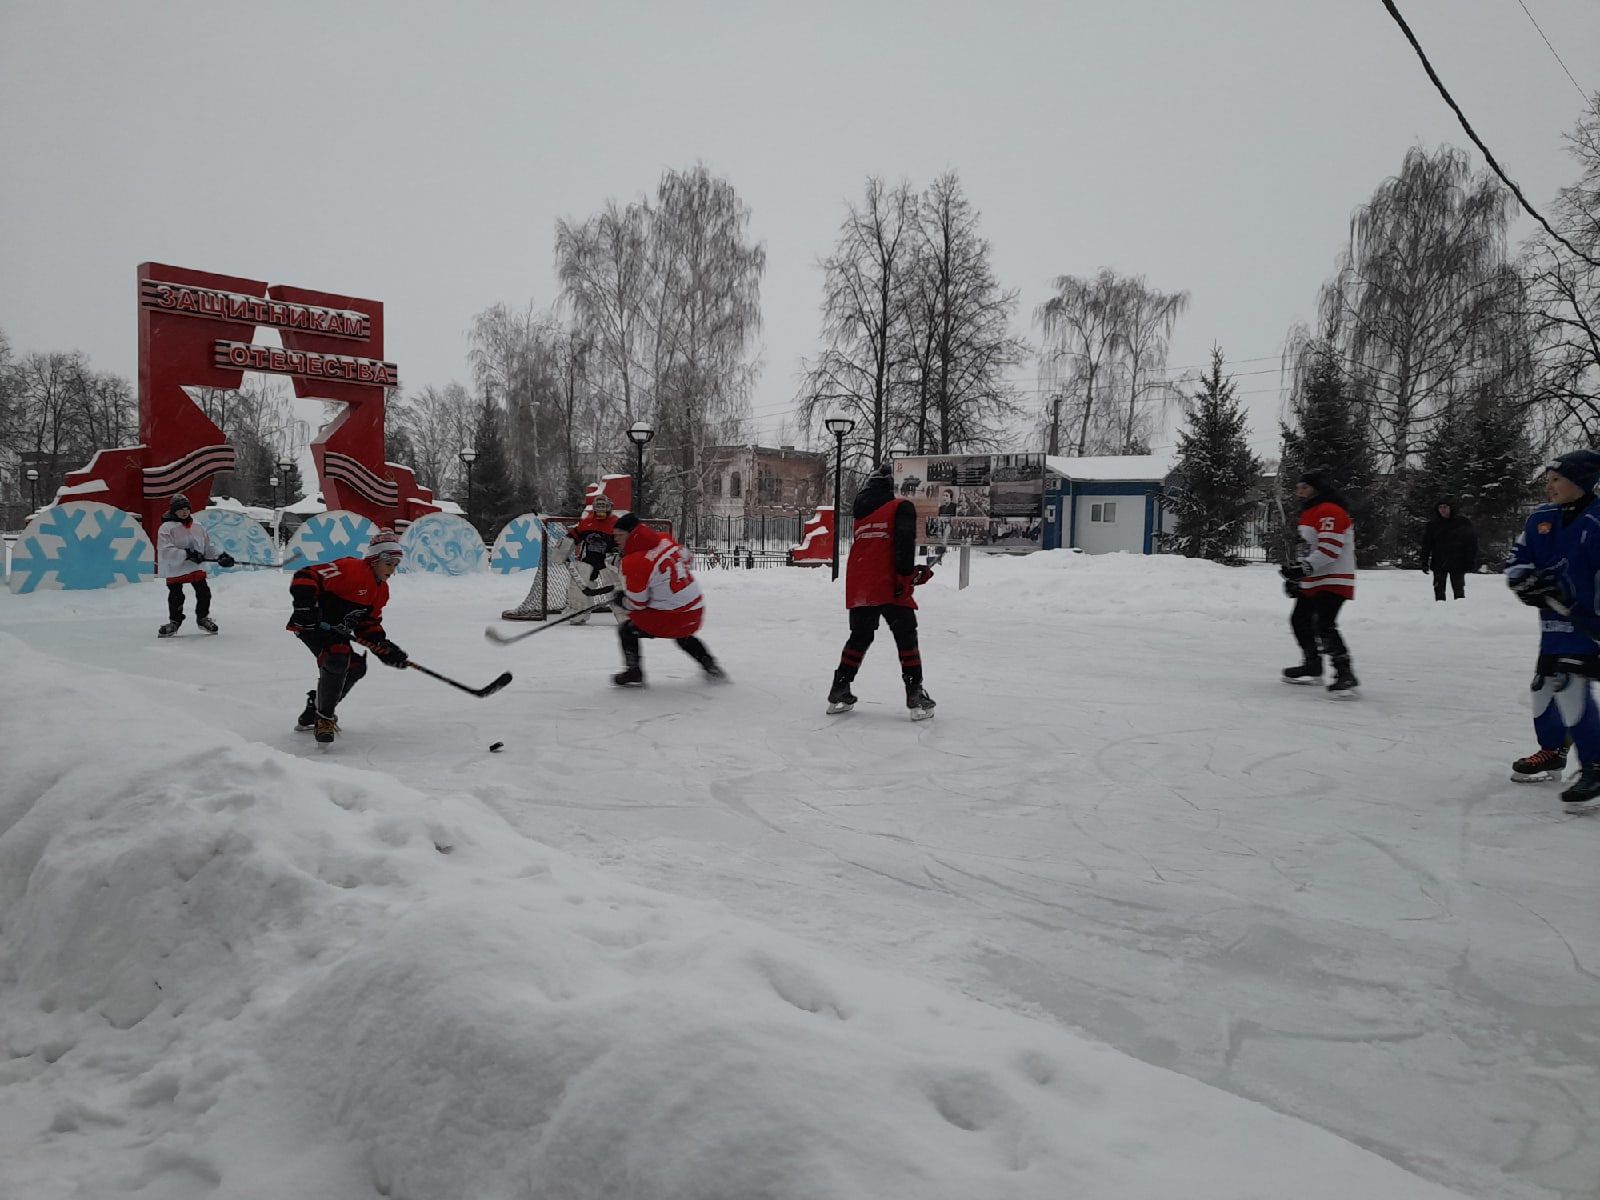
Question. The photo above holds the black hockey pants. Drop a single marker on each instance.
(902, 623)
(202, 600)
(629, 635)
(1315, 621)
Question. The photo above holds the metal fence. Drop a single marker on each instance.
(1262, 541)
(763, 532)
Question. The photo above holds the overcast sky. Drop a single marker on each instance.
(420, 153)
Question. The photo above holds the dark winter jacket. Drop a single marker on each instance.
(1449, 544)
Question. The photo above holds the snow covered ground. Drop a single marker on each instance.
(1128, 919)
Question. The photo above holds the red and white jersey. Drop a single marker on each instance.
(1328, 551)
(173, 540)
(661, 594)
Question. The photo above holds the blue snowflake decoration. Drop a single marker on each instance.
(518, 548)
(237, 534)
(328, 536)
(444, 545)
(81, 546)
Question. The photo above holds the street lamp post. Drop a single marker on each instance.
(639, 433)
(33, 489)
(838, 426)
(286, 469)
(469, 456)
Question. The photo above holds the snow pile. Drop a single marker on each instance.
(228, 971)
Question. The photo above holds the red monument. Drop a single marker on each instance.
(195, 329)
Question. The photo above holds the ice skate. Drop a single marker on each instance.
(1307, 672)
(170, 628)
(918, 703)
(1344, 683)
(1540, 766)
(1585, 788)
(841, 699)
(307, 721)
(206, 623)
(326, 730)
(629, 677)
(714, 671)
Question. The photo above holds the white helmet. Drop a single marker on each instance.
(602, 504)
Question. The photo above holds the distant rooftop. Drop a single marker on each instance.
(1112, 468)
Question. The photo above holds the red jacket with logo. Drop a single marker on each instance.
(882, 552)
(344, 592)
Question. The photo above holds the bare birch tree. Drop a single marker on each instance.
(863, 318)
(1422, 280)
(959, 328)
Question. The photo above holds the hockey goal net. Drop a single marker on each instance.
(555, 579)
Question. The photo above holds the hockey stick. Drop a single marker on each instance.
(487, 689)
(500, 639)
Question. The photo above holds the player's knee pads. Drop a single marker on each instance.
(1571, 697)
(1541, 692)
(337, 660)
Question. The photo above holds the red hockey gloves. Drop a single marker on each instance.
(304, 619)
(389, 654)
(225, 560)
(921, 575)
(902, 586)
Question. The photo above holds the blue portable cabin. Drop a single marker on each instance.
(1104, 504)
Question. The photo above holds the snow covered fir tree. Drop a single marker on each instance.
(1213, 490)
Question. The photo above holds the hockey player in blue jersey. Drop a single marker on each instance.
(1553, 568)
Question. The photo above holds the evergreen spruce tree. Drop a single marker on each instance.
(493, 500)
(1478, 456)
(1212, 489)
(1328, 430)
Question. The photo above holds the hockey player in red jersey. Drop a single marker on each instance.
(1321, 579)
(879, 581)
(661, 599)
(335, 603)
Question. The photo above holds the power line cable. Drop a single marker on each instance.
(1488, 155)
(1575, 83)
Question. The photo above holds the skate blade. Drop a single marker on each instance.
(839, 708)
(1316, 679)
(922, 714)
(1537, 777)
(1347, 694)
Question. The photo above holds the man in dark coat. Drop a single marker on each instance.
(1449, 549)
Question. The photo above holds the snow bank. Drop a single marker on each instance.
(230, 971)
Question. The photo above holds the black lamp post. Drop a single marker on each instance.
(33, 489)
(838, 426)
(639, 433)
(469, 456)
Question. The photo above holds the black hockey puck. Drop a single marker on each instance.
(496, 747)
